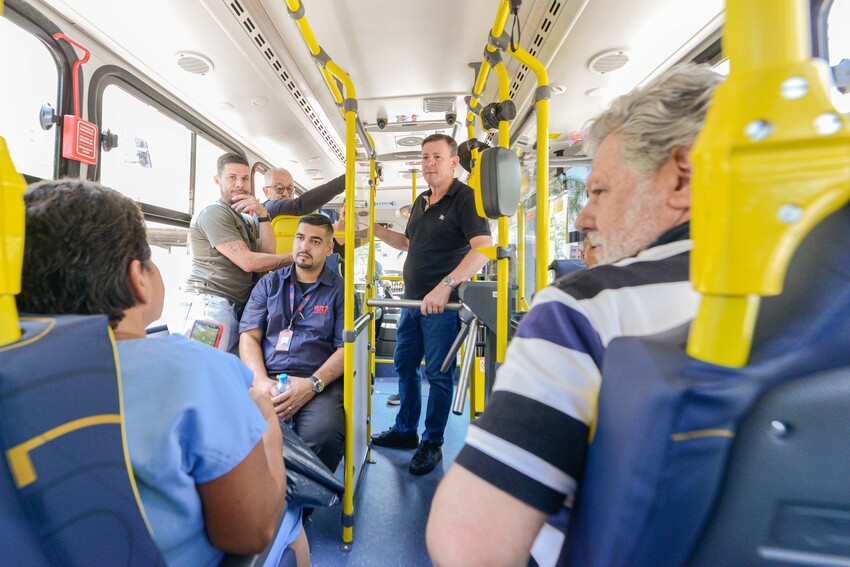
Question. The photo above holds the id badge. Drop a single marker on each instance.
(284, 340)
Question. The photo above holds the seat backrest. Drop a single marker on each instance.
(284, 227)
(69, 497)
(786, 495)
(666, 422)
(563, 266)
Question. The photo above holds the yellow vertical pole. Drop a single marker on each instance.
(350, 213)
(521, 301)
(370, 289)
(12, 214)
(413, 173)
(504, 227)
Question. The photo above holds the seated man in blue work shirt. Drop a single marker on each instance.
(293, 324)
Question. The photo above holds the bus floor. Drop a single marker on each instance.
(391, 505)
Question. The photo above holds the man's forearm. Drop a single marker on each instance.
(309, 201)
(395, 239)
(251, 353)
(268, 244)
(332, 368)
(469, 266)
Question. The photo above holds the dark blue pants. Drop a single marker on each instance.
(430, 337)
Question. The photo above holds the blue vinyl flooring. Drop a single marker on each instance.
(391, 505)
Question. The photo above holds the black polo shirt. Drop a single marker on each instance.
(439, 238)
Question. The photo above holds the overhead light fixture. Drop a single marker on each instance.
(409, 141)
(557, 89)
(405, 211)
(224, 105)
(598, 92)
(312, 172)
(259, 100)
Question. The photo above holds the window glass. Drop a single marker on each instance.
(259, 180)
(170, 252)
(567, 196)
(36, 82)
(839, 45)
(151, 162)
(206, 156)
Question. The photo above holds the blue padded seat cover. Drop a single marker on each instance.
(785, 498)
(666, 422)
(80, 508)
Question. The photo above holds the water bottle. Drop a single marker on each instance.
(283, 385)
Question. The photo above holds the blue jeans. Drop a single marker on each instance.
(431, 337)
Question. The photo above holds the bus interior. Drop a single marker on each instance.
(328, 87)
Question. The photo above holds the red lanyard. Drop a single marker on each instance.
(304, 299)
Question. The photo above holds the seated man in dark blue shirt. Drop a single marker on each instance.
(293, 324)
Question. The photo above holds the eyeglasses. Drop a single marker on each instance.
(283, 189)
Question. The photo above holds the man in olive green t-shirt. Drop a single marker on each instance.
(230, 240)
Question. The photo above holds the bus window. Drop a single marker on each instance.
(206, 155)
(170, 252)
(568, 194)
(258, 179)
(151, 162)
(839, 45)
(35, 83)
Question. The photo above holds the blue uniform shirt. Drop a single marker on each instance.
(317, 325)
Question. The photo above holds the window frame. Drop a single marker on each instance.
(112, 75)
(33, 22)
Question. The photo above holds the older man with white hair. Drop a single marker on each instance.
(523, 459)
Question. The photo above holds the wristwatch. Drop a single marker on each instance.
(264, 219)
(318, 385)
(449, 281)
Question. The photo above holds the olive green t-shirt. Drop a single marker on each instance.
(212, 272)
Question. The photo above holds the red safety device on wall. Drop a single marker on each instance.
(80, 138)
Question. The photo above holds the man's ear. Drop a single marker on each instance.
(136, 281)
(680, 160)
(217, 180)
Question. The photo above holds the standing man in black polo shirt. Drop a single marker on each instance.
(441, 238)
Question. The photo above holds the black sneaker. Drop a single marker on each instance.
(395, 440)
(427, 457)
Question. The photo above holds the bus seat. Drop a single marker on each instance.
(69, 497)
(284, 228)
(67, 492)
(786, 495)
(667, 423)
(563, 266)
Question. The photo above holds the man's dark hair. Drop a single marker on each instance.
(317, 219)
(442, 138)
(229, 157)
(80, 240)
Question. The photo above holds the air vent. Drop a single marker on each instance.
(194, 63)
(543, 30)
(275, 63)
(438, 104)
(608, 61)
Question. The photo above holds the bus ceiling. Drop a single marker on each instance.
(243, 65)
